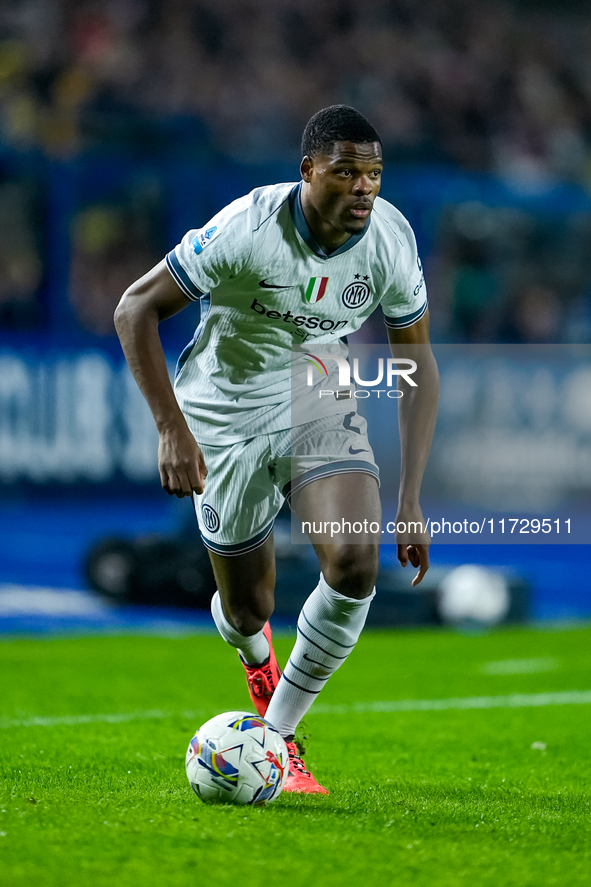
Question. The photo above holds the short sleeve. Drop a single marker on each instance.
(207, 256)
(405, 300)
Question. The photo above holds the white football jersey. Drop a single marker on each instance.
(266, 286)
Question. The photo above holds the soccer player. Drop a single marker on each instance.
(290, 264)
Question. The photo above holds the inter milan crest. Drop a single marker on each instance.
(210, 518)
(356, 294)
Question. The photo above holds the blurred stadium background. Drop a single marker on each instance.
(126, 122)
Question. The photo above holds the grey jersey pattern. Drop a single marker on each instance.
(266, 287)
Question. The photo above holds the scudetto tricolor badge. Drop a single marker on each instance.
(316, 289)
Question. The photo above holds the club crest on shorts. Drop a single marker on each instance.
(210, 518)
(356, 294)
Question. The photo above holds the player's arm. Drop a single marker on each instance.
(417, 414)
(148, 301)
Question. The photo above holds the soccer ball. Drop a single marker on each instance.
(473, 594)
(237, 758)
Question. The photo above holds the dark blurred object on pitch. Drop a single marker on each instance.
(175, 571)
(159, 571)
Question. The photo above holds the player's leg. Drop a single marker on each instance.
(235, 515)
(333, 616)
(241, 609)
(348, 559)
(246, 588)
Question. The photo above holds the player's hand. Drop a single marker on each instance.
(418, 555)
(413, 544)
(180, 463)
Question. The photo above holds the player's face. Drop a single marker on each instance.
(342, 186)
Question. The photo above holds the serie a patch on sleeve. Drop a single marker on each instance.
(202, 238)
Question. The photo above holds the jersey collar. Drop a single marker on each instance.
(299, 220)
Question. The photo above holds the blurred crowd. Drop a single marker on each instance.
(483, 83)
(506, 275)
(489, 86)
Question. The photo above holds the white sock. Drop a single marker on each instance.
(328, 628)
(253, 648)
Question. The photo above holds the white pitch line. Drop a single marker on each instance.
(74, 720)
(517, 700)
(461, 703)
(519, 666)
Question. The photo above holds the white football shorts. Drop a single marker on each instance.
(248, 481)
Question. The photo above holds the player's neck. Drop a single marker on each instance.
(326, 235)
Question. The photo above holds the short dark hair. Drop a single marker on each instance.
(338, 123)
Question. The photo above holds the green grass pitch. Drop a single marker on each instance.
(93, 733)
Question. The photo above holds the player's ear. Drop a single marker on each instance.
(306, 168)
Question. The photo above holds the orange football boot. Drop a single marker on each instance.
(262, 679)
(300, 779)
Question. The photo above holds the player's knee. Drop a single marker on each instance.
(352, 569)
(248, 617)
